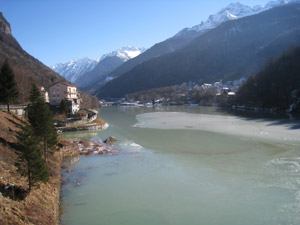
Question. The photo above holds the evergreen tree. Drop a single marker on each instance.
(63, 107)
(30, 162)
(8, 87)
(34, 93)
(40, 118)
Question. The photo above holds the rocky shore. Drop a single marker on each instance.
(74, 147)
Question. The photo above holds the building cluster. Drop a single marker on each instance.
(63, 91)
(185, 93)
(219, 88)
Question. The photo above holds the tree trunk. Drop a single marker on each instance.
(13, 192)
(45, 150)
(8, 110)
(29, 179)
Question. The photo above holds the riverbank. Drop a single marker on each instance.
(97, 124)
(74, 147)
(40, 206)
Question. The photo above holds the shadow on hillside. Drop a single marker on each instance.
(14, 192)
(16, 124)
(7, 143)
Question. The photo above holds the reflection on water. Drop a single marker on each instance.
(177, 177)
(80, 134)
(70, 160)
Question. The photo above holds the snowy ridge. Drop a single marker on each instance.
(77, 67)
(125, 53)
(232, 12)
(74, 69)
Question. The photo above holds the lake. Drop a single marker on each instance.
(187, 165)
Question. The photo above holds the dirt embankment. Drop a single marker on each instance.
(40, 206)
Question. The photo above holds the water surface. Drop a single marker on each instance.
(174, 171)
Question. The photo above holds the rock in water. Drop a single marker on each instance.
(110, 140)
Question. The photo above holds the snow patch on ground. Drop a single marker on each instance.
(227, 124)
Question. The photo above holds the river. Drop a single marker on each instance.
(187, 166)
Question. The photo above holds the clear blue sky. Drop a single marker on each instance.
(60, 30)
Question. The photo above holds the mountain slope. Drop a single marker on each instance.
(27, 69)
(99, 74)
(108, 62)
(159, 49)
(76, 68)
(232, 50)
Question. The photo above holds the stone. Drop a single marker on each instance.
(110, 140)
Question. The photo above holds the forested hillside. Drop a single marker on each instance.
(276, 86)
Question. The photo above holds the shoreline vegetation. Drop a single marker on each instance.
(40, 205)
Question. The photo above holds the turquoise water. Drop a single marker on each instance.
(182, 176)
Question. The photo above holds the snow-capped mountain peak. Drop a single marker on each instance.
(237, 10)
(79, 66)
(75, 68)
(125, 53)
(231, 16)
(231, 12)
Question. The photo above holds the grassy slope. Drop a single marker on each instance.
(41, 206)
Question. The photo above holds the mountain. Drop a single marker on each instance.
(74, 69)
(28, 69)
(184, 37)
(167, 46)
(125, 53)
(233, 11)
(234, 49)
(108, 62)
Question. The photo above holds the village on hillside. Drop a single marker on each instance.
(187, 93)
(64, 98)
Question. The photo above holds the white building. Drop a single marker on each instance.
(218, 84)
(206, 86)
(67, 92)
(44, 94)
